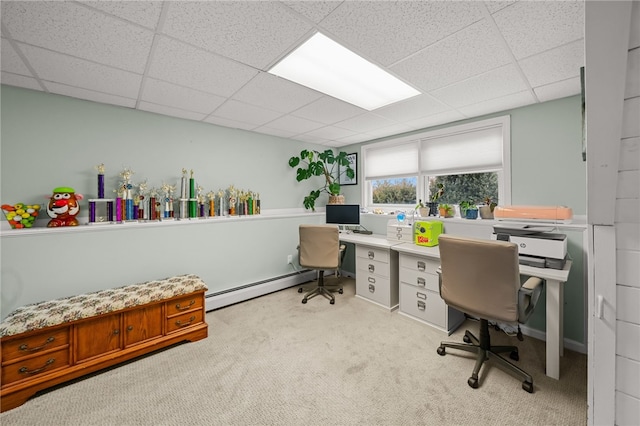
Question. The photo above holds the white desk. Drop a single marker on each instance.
(554, 278)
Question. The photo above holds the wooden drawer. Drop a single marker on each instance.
(31, 345)
(184, 304)
(420, 279)
(187, 319)
(29, 368)
(419, 264)
(374, 288)
(423, 304)
(372, 253)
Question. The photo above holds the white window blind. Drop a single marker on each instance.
(465, 152)
(391, 161)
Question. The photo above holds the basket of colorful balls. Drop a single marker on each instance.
(21, 215)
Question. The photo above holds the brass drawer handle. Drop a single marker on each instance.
(371, 254)
(130, 328)
(116, 331)
(183, 308)
(24, 370)
(372, 268)
(421, 265)
(26, 348)
(180, 324)
(421, 281)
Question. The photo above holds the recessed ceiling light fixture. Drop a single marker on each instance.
(324, 65)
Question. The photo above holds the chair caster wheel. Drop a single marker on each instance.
(528, 386)
(440, 351)
(300, 290)
(332, 302)
(473, 382)
(340, 291)
(514, 356)
(466, 339)
(304, 301)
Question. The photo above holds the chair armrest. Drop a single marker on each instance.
(343, 251)
(528, 296)
(439, 272)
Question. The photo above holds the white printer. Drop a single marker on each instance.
(537, 246)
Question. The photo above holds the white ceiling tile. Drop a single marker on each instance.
(185, 65)
(531, 27)
(312, 139)
(172, 112)
(19, 81)
(330, 133)
(71, 71)
(468, 52)
(494, 5)
(634, 36)
(294, 124)
(365, 123)
(515, 100)
(560, 89)
(412, 108)
(357, 138)
(328, 110)
(436, 119)
(385, 31)
(276, 93)
(490, 85)
(69, 28)
(632, 87)
(145, 13)
(275, 132)
(556, 64)
(225, 122)
(10, 61)
(162, 93)
(90, 95)
(395, 129)
(316, 11)
(245, 113)
(254, 33)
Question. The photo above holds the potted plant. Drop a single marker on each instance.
(316, 163)
(433, 204)
(468, 209)
(446, 210)
(424, 211)
(486, 210)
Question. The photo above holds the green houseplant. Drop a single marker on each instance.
(468, 209)
(486, 210)
(315, 163)
(446, 210)
(433, 203)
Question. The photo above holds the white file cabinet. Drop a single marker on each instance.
(377, 275)
(420, 296)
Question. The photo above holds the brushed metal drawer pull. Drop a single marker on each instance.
(116, 331)
(421, 265)
(371, 254)
(372, 288)
(182, 308)
(25, 370)
(130, 328)
(371, 280)
(421, 296)
(421, 281)
(372, 268)
(181, 324)
(26, 348)
(421, 305)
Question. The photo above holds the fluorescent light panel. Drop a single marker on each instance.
(324, 65)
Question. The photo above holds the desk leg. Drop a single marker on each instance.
(555, 330)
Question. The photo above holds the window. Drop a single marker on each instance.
(471, 161)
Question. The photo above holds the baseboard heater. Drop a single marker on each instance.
(260, 288)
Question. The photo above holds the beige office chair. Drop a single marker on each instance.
(320, 249)
(481, 278)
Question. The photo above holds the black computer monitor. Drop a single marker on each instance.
(343, 214)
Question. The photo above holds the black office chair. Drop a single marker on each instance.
(320, 249)
(482, 279)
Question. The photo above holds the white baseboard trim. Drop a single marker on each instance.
(541, 335)
(220, 300)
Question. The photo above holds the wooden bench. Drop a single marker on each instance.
(51, 342)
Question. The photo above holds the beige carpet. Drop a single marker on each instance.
(274, 361)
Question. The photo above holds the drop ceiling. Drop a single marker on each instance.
(207, 61)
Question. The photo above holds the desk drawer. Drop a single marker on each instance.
(188, 319)
(374, 288)
(186, 303)
(372, 253)
(419, 263)
(367, 266)
(421, 280)
(423, 304)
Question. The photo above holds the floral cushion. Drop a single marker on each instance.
(68, 309)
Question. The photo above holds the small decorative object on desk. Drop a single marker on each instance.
(21, 215)
(63, 207)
